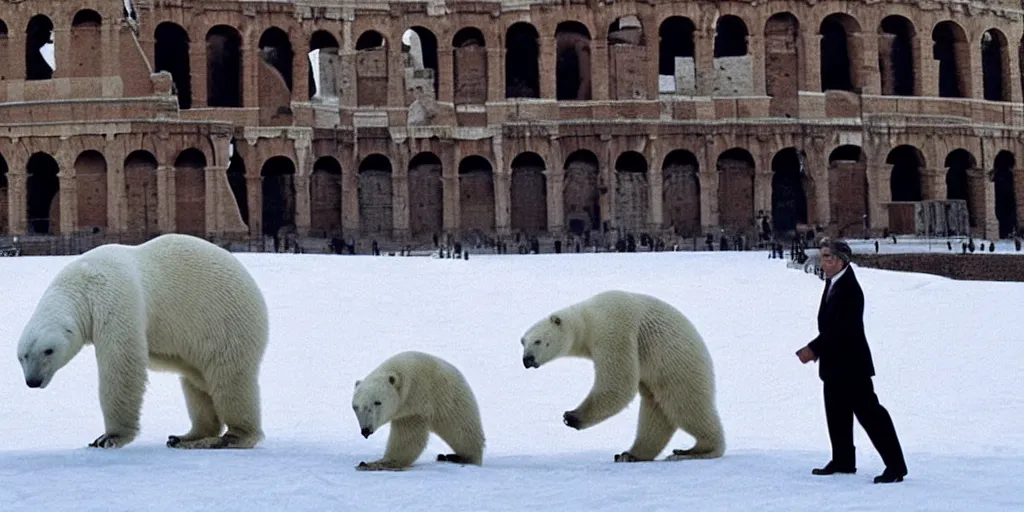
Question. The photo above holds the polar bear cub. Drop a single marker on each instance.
(638, 343)
(418, 393)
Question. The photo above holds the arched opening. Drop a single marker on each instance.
(426, 196)
(237, 182)
(572, 69)
(681, 193)
(190, 192)
(789, 195)
(732, 64)
(86, 44)
(324, 67)
(958, 182)
(905, 178)
(223, 67)
(375, 200)
(276, 50)
(476, 195)
(995, 62)
(91, 190)
(372, 70)
(736, 190)
(1005, 193)
(469, 58)
(4, 59)
(837, 57)
(782, 64)
(522, 61)
(420, 48)
(278, 187)
(171, 54)
(632, 193)
(581, 198)
(142, 194)
(325, 198)
(896, 60)
(677, 72)
(39, 51)
(848, 190)
(4, 195)
(950, 48)
(627, 59)
(43, 195)
(529, 194)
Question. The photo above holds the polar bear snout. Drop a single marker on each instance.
(366, 432)
(34, 382)
(530, 362)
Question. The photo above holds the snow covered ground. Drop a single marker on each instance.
(949, 356)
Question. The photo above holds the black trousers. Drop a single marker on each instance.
(847, 398)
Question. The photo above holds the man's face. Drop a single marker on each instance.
(830, 264)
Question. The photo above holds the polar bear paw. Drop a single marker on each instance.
(379, 465)
(452, 457)
(112, 440)
(628, 457)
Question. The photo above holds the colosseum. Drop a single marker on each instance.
(399, 121)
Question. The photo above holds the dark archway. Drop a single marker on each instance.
(190, 192)
(681, 193)
(171, 54)
(789, 195)
(736, 190)
(529, 194)
(276, 50)
(43, 195)
(1005, 193)
(38, 37)
(632, 193)
(325, 198)
(142, 194)
(223, 67)
(896, 58)
(522, 61)
(581, 198)
(426, 196)
(375, 196)
(476, 195)
(905, 179)
(573, 67)
(278, 187)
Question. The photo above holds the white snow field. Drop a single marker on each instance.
(949, 357)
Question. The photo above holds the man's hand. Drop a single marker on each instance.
(806, 355)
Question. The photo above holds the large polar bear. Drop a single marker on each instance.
(637, 343)
(175, 303)
(418, 393)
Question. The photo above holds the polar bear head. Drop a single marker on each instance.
(47, 344)
(548, 339)
(376, 400)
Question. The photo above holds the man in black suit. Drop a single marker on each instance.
(845, 367)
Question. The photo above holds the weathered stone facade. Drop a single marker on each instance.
(406, 119)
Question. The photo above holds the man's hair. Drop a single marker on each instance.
(839, 248)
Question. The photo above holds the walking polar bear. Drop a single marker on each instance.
(418, 393)
(175, 303)
(637, 343)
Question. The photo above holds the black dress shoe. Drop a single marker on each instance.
(831, 468)
(888, 477)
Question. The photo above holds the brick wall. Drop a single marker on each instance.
(975, 267)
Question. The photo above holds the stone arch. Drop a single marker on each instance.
(789, 192)
(905, 177)
(529, 194)
(1005, 193)
(43, 194)
(39, 49)
(325, 198)
(522, 61)
(573, 67)
(422, 76)
(142, 194)
(848, 189)
(190, 192)
(374, 193)
(736, 189)
(632, 193)
(580, 194)
(676, 53)
(962, 184)
(839, 53)
(91, 190)
(86, 44)
(897, 62)
(995, 65)
(782, 64)
(627, 59)
(469, 72)
(237, 182)
(733, 72)
(324, 63)
(223, 67)
(278, 187)
(171, 54)
(681, 193)
(276, 50)
(426, 195)
(372, 70)
(4, 193)
(951, 49)
(476, 194)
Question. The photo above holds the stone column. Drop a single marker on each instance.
(254, 189)
(547, 70)
(17, 209)
(68, 201)
(350, 199)
(61, 51)
(450, 189)
(810, 60)
(446, 72)
(502, 186)
(926, 70)
(868, 75)
(755, 49)
(165, 187)
(117, 203)
(599, 79)
(215, 178)
(198, 70)
(655, 186)
(762, 191)
(303, 217)
(495, 72)
(879, 193)
(555, 179)
(989, 219)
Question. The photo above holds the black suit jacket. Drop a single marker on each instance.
(841, 346)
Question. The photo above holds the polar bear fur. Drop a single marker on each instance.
(175, 303)
(418, 393)
(638, 343)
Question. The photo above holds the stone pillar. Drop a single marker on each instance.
(254, 189)
(495, 72)
(879, 193)
(933, 183)
(599, 78)
(926, 73)
(755, 49)
(165, 187)
(547, 70)
(17, 193)
(117, 203)
(300, 72)
(61, 52)
(709, 208)
(868, 75)
(704, 60)
(350, 198)
(502, 186)
(304, 169)
(989, 220)
(216, 178)
(197, 68)
(555, 179)
(68, 201)
(762, 191)
(656, 186)
(446, 72)
(450, 187)
(251, 62)
(606, 179)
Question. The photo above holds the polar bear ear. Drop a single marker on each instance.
(393, 380)
(556, 320)
(358, 382)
